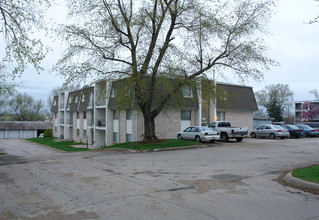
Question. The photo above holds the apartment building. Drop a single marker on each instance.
(91, 114)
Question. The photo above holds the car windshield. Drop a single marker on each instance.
(278, 127)
(307, 127)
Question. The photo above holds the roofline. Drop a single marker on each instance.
(232, 84)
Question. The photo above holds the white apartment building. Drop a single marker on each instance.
(90, 114)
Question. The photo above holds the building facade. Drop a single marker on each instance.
(307, 106)
(90, 115)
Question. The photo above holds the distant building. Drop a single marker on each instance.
(314, 122)
(22, 129)
(86, 115)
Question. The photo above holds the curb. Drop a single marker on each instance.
(299, 182)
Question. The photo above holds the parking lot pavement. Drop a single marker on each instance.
(222, 181)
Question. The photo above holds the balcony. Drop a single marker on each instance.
(61, 121)
(100, 123)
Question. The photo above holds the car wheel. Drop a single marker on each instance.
(253, 135)
(179, 137)
(197, 138)
(272, 136)
(224, 137)
(239, 139)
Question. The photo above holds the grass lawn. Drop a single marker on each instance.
(310, 174)
(56, 143)
(168, 143)
(2, 154)
(66, 145)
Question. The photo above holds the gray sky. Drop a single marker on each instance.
(293, 43)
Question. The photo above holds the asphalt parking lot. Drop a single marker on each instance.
(220, 181)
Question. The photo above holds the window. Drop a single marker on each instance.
(114, 91)
(186, 115)
(84, 133)
(129, 114)
(115, 137)
(78, 132)
(83, 97)
(115, 115)
(84, 114)
(221, 116)
(128, 137)
(77, 115)
(187, 92)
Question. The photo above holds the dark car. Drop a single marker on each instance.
(309, 131)
(294, 131)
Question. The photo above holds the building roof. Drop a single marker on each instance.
(25, 125)
(237, 97)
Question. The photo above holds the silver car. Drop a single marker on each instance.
(198, 133)
(271, 131)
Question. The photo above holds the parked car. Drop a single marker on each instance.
(294, 131)
(198, 133)
(271, 131)
(309, 131)
(228, 132)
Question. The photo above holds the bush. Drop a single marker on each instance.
(47, 133)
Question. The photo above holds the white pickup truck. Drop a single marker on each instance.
(227, 132)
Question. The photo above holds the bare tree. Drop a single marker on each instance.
(25, 108)
(153, 43)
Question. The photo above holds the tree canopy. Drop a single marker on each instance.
(25, 108)
(151, 42)
(18, 21)
(275, 98)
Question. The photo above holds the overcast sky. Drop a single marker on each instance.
(294, 44)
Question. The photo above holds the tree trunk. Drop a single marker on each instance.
(149, 128)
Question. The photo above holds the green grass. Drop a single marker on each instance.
(56, 143)
(2, 154)
(310, 174)
(66, 145)
(168, 143)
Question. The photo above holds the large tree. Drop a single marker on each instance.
(152, 43)
(7, 89)
(276, 98)
(19, 20)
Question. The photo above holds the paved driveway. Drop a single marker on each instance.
(222, 181)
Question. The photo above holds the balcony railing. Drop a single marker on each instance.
(61, 121)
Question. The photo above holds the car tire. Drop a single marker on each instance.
(239, 139)
(224, 137)
(197, 139)
(179, 136)
(272, 136)
(253, 135)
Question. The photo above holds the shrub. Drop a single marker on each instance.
(47, 133)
